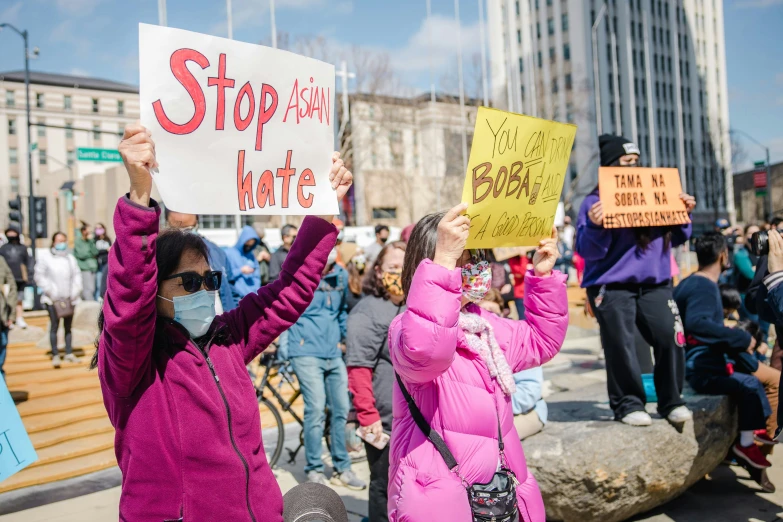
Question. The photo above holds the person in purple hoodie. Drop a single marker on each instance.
(173, 376)
(628, 281)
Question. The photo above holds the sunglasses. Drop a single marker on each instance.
(192, 281)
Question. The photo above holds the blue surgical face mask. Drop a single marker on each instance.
(61, 247)
(194, 311)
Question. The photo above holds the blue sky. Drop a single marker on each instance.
(100, 38)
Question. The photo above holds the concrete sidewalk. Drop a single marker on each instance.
(103, 506)
(726, 495)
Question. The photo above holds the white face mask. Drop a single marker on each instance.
(332, 257)
(194, 311)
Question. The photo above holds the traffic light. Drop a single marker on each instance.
(39, 216)
(15, 213)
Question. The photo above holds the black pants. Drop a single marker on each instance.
(378, 461)
(55, 325)
(622, 308)
(752, 404)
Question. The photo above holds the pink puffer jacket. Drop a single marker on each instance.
(454, 391)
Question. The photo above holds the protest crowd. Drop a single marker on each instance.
(418, 313)
(415, 355)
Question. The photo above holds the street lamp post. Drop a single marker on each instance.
(768, 199)
(596, 81)
(31, 220)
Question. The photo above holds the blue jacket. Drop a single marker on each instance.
(243, 284)
(323, 325)
(528, 394)
(219, 261)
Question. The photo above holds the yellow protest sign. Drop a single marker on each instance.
(515, 176)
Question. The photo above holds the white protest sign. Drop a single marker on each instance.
(238, 128)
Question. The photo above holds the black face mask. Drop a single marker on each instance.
(13, 239)
(384, 239)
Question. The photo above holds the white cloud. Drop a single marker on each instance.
(10, 14)
(78, 71)
(344, 7)
(748, 4)
(255, 13)
(415, 56)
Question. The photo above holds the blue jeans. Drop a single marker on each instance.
(323, 380)
(3, 344)
(520, 303)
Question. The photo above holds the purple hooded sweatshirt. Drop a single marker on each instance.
(188, 433)
(611, 255)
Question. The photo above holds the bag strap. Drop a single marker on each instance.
(435, 437)
(425, 427)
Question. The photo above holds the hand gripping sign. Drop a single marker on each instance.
(238, 128)
(515, 176)
(641, 197)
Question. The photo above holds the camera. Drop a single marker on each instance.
(759, 243)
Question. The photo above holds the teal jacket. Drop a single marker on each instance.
(86, 254)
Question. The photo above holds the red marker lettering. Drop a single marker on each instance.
(265, 113)
(293, 102)
(266, 190)
(179, 68)
(305, 180)
(239, 122)
(221, 82)
(244, 183)
(286, 174)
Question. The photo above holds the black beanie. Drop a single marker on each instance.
(615, 147)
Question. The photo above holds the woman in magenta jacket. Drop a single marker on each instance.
(188, 434)
(457, 362)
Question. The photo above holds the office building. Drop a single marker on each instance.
(655, 69)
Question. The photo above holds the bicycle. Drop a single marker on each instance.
(273, 368)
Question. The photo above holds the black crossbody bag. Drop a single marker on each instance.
(495, 501)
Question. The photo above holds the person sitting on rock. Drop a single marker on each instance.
(709, 341)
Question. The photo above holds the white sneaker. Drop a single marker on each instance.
(56, 360)
(679, 415)
(20, 322)
(637, 418)
(71, 358)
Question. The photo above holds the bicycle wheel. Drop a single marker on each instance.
(272, 423)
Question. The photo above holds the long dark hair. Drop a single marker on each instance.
(372, 282)
(169, 249)
(421, 246)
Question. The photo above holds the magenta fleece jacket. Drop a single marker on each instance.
(188, 434)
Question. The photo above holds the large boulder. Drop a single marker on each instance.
(591, 468)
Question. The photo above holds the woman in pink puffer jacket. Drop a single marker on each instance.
(457, 362)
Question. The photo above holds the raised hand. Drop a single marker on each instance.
(546, 255)
(340, 177)
(453, 231)
(138, 154)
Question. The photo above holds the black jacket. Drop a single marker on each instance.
(15, 254)
(367, 346)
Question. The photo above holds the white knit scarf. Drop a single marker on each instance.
(481, 338)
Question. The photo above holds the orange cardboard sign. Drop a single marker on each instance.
(641, 197)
